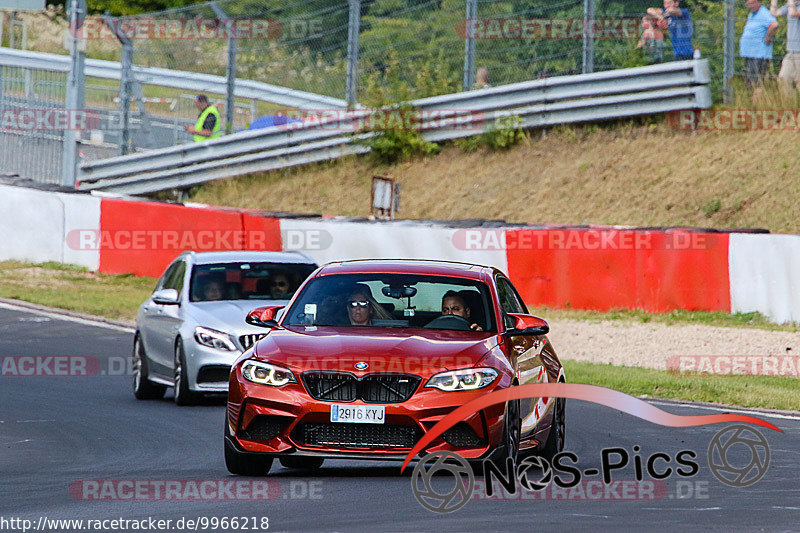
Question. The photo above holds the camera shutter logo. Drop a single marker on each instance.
(738, 455)
(422, 482)
(535, 462)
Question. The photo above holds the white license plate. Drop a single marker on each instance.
(363, 414)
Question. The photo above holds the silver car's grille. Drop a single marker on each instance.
(249, 340)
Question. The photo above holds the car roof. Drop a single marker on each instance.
(408, 266)
(205, 258)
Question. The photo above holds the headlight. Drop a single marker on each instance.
(266, 374)
(467, 379)
(214, 339)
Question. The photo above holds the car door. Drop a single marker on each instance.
(163, 322)
(525, 348)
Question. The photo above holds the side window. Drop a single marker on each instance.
(175, 278)
(162, 283)
(509, 302)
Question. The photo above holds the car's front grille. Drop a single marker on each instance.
(213, 374)
(250, 339)
(372, 388)
(356, 435)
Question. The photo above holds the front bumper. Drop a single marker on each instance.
(279, 421)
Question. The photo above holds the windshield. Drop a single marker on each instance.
(393, 300)
(247, 281)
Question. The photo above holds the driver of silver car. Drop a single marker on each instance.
(454, 304)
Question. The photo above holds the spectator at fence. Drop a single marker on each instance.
(679, 22)
(482, 78)
(208, 121)
(789, 75)
(652, 41)
(755, 46)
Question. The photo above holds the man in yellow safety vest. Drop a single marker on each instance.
(208, 122)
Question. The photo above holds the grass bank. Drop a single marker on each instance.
(643, 175)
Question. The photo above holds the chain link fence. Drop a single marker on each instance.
(370, 52)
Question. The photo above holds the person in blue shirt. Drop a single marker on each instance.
(755, 45)
(679, 22)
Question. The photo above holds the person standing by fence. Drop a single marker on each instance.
(789, 75)
(208, 122)
(755, 46)
(679, 22)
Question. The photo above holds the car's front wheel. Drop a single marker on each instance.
(183, 395)
(558, 430)
(242, 464)
(143, 388)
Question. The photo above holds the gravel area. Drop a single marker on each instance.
(651, 344)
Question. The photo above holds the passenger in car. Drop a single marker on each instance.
(454, 304)
(213, 290)
(362, 307)
(279, 286)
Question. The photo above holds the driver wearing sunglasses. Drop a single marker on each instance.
(279, 287)
(359, 309)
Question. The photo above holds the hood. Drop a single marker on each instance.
(228, 315)
(415, 351)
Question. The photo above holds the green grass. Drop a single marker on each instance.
(707, 318)
(748, 391)
(71, 287)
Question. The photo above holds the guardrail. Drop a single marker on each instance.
(176, 79)
(568, 99)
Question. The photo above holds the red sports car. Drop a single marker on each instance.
(369, 355)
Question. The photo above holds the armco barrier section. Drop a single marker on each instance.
(37, 225)
(144, 237)
(765, 275)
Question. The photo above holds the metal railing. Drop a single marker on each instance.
(569, 99)
(176, 79)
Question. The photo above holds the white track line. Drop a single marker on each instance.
(768, 414)
(70, 318)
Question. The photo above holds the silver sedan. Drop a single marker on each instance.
(190, 330)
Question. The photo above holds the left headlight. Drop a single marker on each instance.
(467, 379)
(214, 339)
(266, 374)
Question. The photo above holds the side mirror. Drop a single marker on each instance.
(527, 325)
(166, 297)
(263, 317)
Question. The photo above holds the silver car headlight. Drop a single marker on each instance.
(266, 374)
(214, 339)
(467, 379)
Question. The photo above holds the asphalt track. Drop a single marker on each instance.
(56, 431)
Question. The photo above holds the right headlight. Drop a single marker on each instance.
(266, 374)
(466, 379)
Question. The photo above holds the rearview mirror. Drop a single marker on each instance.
(527, 325)
(166, 297)
(263, 317)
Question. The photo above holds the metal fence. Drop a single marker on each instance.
(370, 52)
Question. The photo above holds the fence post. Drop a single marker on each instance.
(230, 70)
(469, 44)
(353, 30)
(75, 92)
(588, 36)
(728, 51)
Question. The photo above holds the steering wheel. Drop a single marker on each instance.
(456, 322)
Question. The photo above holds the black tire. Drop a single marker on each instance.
(243, 464)
(556, 437)
(302, 463)
(511, 437)
(143, 388)
(183, 396)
